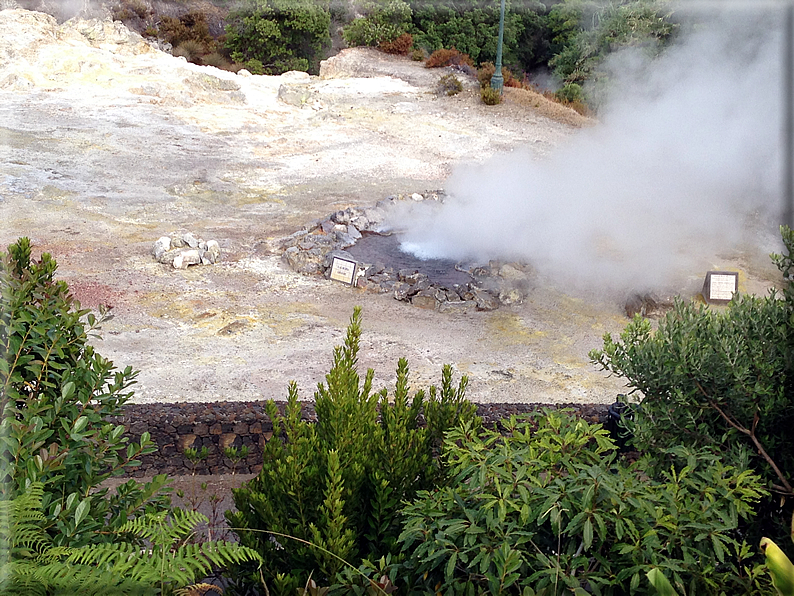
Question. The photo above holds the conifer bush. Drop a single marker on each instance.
(333, 489)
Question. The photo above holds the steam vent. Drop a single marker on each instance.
(363, 237)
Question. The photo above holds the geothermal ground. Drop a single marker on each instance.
(106, 144)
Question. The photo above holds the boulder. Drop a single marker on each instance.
(425, 299)
(485, 300)
(161, 246)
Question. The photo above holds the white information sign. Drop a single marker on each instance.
(343, 270)
(720, 286)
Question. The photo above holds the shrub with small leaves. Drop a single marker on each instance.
(449, 85)
(490, 96)
(382, 22)
(418, 55)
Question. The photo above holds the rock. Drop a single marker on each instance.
(297, 94)
(417, 197)
(161, 246)
(353, 232)
(167, 258)
(178, 261)
(511, 296)
(511, 272)
(485, 300)
(244, 73)
(425, 299)
(401, 290)
(213, 251)
(341, 217)
(327, 226)
(453, 306)
(177, 241)
(190, 240)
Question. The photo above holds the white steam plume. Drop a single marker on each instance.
(687, 151)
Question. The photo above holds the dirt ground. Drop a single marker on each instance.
(107, 144)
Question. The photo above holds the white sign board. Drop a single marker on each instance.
(720, 286)
(343, 270)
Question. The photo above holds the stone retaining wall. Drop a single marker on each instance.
(217, 425)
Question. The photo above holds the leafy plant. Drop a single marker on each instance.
(56, 396)
(472, 27)
(449, 85)
(282, 35)
(490, 96)
(716, 378)
(780, 566)
(554, 511)
(338, 484)
(383, 22)
(31, 564)
(191, 27)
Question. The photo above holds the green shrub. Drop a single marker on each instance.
(490, 96)
(716, 378)
(570, 93)
(339, 483)
(383, 21)
(583, 33)
(282, 35)
(449, 85)
(553, 510)
(418, 55)
(472, 27)
(57, 396)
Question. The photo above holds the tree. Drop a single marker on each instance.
(56, 394)
(722, 379)
(280, 35)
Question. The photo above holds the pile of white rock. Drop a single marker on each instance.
(183, 250)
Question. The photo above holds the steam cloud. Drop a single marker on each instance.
(685, 156)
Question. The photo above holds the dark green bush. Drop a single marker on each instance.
(282, 35)
(57, 395)
(584, 32)
(383, 21)
(471, 27)
(339, 483)
(553, 511)
(716, 378)
(570, 93)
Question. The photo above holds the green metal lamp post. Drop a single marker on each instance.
(497, 80)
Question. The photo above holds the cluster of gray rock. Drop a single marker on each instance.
(312, 250)
(490, 287)
(183, 250)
